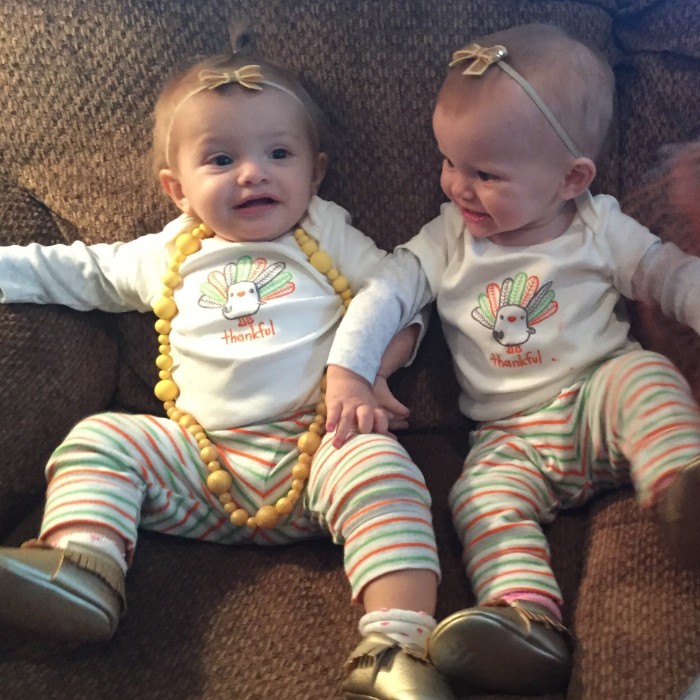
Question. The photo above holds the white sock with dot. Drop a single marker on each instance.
(405, 627)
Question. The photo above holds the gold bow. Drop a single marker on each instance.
(481, 57)
(247, 76)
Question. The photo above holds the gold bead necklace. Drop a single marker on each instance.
(220, 481)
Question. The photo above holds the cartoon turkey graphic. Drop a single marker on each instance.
(244, 286)
(512, 309)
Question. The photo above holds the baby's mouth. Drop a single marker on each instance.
(256, 202)
(474, 216)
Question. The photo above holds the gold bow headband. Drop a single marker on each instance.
(249, 77)
(483, 57)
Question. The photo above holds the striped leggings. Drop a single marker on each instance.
(124, 471)
(633, 419)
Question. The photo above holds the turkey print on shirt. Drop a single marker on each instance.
(244, 286)
(512, 309)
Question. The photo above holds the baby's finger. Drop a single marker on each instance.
(381, 421)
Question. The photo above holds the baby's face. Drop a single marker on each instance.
(503, 168)
(244, 162)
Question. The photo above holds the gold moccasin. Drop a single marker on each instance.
(678, 512)
(382, 670)
(503, 648)
(75, 594)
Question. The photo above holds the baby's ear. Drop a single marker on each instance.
(173, 188)
(579, 177)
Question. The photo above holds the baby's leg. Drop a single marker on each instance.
(70, 582)
(641, 411)
(513, 640)
(373, 500)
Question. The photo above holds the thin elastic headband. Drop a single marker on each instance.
(481, 58)
(248, 77)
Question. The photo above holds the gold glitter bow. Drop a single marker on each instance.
(481, 57)
(247, 76)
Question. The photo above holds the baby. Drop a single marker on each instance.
(529, 270)
(248, 286)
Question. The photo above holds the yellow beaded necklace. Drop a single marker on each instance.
(219, 480)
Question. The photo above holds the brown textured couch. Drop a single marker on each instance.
(77, 81)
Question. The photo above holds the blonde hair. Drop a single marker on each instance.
(185, 84)
(574, 80)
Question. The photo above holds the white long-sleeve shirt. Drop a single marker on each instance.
(238, 360)
(522, 323)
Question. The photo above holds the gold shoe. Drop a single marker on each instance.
(76, 594)
(678, 512)
(504, 648)
(382, 670)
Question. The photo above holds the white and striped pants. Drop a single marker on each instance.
(633, 419)
(123, 472)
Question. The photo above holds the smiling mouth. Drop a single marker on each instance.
(256, 202)
(474, 215)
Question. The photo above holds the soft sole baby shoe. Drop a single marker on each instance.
(380, 669)
(75, 594)
(512, 648)
(678, 512)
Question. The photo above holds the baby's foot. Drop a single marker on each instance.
(510, 648)
(678, 511)
(76, 593)
(379, 669)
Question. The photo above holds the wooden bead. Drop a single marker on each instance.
(208, 454)
(219, 482)
(162, 326)
(300, 471)
(284, 506)
(187, 244)
(309, 442)
(171, 279)
(165, 308)
(187, 420)
(323, 262)
(164, 362)
(340, 284)
(309, 247)
(267, 517)
(239, 517)
(166, 390)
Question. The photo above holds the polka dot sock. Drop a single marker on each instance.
(405, 627)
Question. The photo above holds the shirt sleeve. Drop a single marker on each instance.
(111, 277)
(387, 302)
(671, 278)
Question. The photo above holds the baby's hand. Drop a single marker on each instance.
(397, 414)
(351, 404)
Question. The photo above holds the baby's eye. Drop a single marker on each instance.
(448, 162)
(484, 177)
(221, 160)
(279, 154)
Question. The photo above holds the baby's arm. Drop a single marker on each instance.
(666, 274)
(382, 307)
